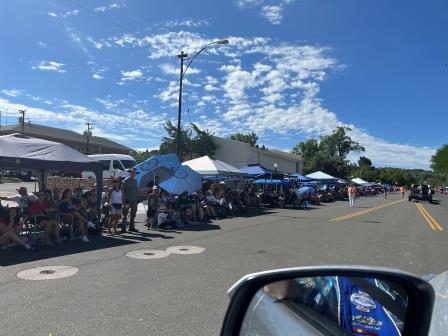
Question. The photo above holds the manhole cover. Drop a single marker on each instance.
(147, 254)
(47, 273)
(262, 251)
(185, 249)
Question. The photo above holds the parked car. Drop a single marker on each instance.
(114, 165)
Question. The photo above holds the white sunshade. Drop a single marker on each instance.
(207, 166)
(321, 176)
(359, 180)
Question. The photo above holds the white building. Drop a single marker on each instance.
(240, 154)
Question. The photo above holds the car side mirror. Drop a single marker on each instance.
(329, 301)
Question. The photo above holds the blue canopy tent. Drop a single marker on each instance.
(163, 166)
(258, 171)
(272, 182)
(301, 178)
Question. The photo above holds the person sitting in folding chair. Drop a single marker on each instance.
(66, 207)
(40, 210)
(8, 220)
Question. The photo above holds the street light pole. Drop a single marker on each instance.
(182, 56)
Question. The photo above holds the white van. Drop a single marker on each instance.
(114, 165)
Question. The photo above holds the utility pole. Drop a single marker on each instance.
(22, 121)
(88, 134)
(182, 56)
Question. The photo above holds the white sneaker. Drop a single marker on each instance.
(85, 239)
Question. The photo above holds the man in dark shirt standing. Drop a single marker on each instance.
(130, 200)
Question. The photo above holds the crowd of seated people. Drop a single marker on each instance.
(39, 217)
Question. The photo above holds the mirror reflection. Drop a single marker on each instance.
(327, 305)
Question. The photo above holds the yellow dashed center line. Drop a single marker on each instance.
(433, 224)
(363, 212)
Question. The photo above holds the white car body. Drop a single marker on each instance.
(114, 165)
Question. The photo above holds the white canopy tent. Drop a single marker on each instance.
(209, 167)
(360, 181)
(321, 176)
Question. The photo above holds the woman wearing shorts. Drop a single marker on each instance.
(116, 207)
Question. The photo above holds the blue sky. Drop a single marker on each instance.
(294, 69)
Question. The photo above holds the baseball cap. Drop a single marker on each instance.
(22, 189)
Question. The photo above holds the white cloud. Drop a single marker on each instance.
(102, 9)
(273, 14)
(12, 92)
(170, 69)
(186, 23)
(42, 44)
(171, 94)
(248, 3)
(96, 44)
(97, 76)
(131, 75)
(50, 66)
(74, 12)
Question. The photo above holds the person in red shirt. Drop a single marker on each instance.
(41, 210)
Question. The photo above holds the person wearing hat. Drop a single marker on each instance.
(130, 200)
(23, 199)
(153, 207)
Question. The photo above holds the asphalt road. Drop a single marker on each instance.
(186, 294)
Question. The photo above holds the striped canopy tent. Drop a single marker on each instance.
(209, 167)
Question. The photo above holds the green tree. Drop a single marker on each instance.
(250, 138)
(339, 143)
(329, 154)
(309, 151)
(202, 142)
(364, 161)
(439, 161)
(193, 141)
(168, 145)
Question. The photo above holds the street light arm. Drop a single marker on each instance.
(200, 51)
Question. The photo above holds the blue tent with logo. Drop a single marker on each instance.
(272, 182)
(184, 179)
